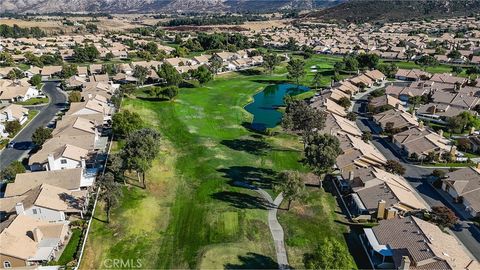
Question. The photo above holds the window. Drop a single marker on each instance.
(34, 211)
(7, 264)
(63, 161)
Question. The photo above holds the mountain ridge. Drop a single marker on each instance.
(149, 6)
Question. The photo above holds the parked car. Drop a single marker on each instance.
(11, 145)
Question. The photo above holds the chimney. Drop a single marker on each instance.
(478, 165)
(19, 208)
(351, 175)
(421, 125)
(440, 132)
(37, 235)
(453, 151)
(397, 106)
(51, 162)
(381, 209)
(391, 213)
(472, 130)
(405, 264)
(83, 162)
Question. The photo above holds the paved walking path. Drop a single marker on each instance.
(275, 227)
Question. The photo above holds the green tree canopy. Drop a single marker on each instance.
(321, 150)
(75, 96)
(291, 184)
(299, 116)
(169, 74)
(296, 70)
(126, 122)
(41, 135)
(9, 173)
(330, 254)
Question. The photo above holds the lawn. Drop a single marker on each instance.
(192, 215)
(71, 248)
(34, 101)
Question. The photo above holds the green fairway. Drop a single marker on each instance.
(192, 215)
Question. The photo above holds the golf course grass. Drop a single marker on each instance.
(192, 215)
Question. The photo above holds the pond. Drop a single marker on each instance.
(265, 104)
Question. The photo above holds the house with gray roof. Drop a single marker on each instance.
(464, 187)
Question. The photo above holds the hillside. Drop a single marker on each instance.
(149, 6)
(396, 10)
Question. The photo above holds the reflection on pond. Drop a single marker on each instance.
(265, 104)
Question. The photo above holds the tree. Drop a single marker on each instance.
(415, 101)
(317, 79)
(321, 150)
(301, 117)
(438, 173)
(454, 54)
(350, 63)
(330, 254)
(292, 44)
(457, 69)
(108, 56)
(215, 63)
(344, 102)
(12, 127)
(140, 72)
(270, 61)
(443, 216)
(291, 184)
(36, 80)
(169, 74)
(170, 92)
(41, 135)
(296, 70)
(110, 192)
(202, 74)
(388, 69)
(351, 116)
(69, 70)
(15, 74)
(141, 148)
(368, 60)
(126, 122)
(366, 136)
(427, 60)
(116, 166)
(6, 59)
(110, 69)
(9, 173)
(75, 96)
(128, 88)
(395, 167)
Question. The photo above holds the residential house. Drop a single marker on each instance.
(395, 120)
(47, 203)
(411, 74)
(12, 112)
(70, 179)
(375, 76)
(17, 91)
(64, 157)
(31, 241)
(464, 187)
(421, 141)
(412, 243)
(382, 195)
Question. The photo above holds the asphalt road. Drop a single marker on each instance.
(418, 178)
(23, 140)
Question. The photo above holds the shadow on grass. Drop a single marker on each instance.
(259, 177)
(250, 72)
(253, 261)
(254, 147)
(257, 128)
(241, 200)
(153, 98)
(271, 81)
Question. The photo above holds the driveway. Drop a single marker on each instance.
(23, 140)
(418, 178)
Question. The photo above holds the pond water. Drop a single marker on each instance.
(265, 104)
